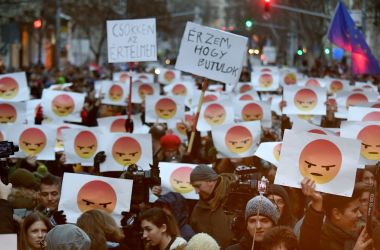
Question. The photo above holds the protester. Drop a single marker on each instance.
(34, 228)
(101, 228)
(160, 230)
(175, 204)
(67, 237)
(202, 241)
(280, 237)
(260, 215)
(279, 196)
(208, 215)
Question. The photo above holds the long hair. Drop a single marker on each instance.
(159, 217)
(100, 227)
(29, 221)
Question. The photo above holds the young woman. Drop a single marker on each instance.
(101, 228)
(160, 230)
(33, 231)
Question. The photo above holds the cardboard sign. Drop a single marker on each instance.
(81, 193)
(116, 124)
(131, 40)
(14, 87)
(269, 151)
(369, 135)
(125, 149)
(34, 140)
(215, 114)
(13, 112)
(211, 53)
(81, 145)
(175, 177)
(164, 108)
(62, 105)
(115, 93)
(236, 140)
(305, 100)
(142, 89)
(363, 114)
(254, 111)
(168, 76)
(265, 81)
(330, 161)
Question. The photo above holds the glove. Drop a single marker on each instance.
(58, 218)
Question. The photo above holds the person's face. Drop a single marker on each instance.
(347, 220)
(278, 201)
(152, 234)
(49, 196)
(368, 177)
(35, 234)
(364, 198)
(203, 188)
(259, 225)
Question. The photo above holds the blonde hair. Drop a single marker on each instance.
(100, 227)
(202, 241)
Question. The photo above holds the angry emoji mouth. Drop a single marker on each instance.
(316, 174)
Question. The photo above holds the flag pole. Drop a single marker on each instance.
(194, 127)
(128, 122)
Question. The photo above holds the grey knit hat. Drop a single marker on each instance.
(203, 173)
(66, 237)
(264, 205)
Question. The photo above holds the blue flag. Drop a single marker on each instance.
(344, 34)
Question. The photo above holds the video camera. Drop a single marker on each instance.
(7, 148)
(248, 185)
(142, 181)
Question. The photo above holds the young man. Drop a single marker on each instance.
(49, 195)
(208, 214)
(260, 216)
(340, 228)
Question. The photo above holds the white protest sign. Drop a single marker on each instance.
(142, 89)
(131, 40)
(242, 87)
(211, 53)
(330, 161)
(305, 100)
(13, 112)
(269, 151)
(236, 140)
(115, 93)
(62, 105)
(363, 114)
(304, 126)
(345, 99)
(312, 82)
(265, 81)
(34, 140)
(250, 95)
(164, 108)
(4, 131)
(289, 77)
(175, 177)
(81, 193)
(9, 240)
(125, 149)
(116, 124)
(337, 85)
(214, 114)
(81, 145)
(252, 111)
(14, 87)
(369, 135)
(32, 107)
(168, 76)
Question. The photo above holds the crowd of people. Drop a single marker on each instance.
(277, 218)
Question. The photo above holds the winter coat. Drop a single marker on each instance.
(208, 215)
(7, 224)
(178, 206)
(245, 244)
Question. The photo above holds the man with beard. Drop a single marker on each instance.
(208, 214)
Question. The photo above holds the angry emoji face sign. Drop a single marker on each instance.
(238, 139)
(32, 141)
(63, 105)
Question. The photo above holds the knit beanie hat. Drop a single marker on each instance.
(170, 142)
(203, 173)
(280, 191)
(23, 178)
(66, 237)
(202, 241)
(264, 205)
